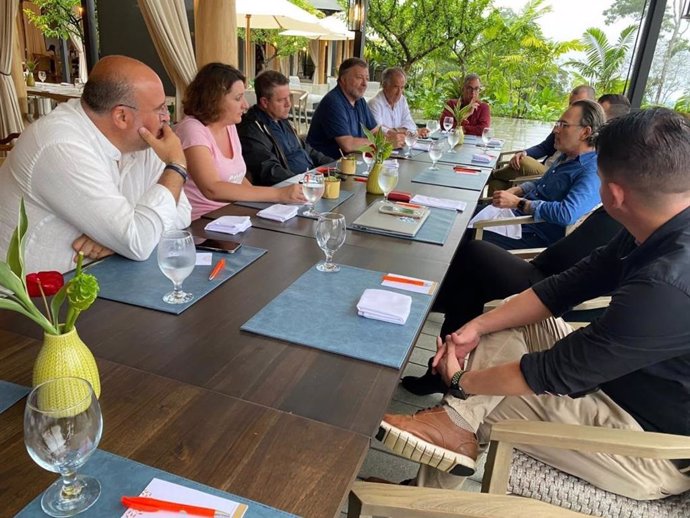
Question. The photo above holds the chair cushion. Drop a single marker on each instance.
(534, 479)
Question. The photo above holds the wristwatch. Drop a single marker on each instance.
(455, 388)
(521, 205)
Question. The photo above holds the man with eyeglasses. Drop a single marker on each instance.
(480, 114)
(98, 175)
(536, 159)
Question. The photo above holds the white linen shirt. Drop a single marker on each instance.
(75, 181)
(398, 116)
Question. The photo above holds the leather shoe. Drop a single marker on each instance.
(430, 437)
(424, 385)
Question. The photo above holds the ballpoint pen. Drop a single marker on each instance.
(403, 280)
(152, 505)
(217, 269)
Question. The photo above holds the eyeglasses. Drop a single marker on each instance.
(563, 124)
(162, 111)
(474, 89)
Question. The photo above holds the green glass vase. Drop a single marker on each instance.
(373, 186)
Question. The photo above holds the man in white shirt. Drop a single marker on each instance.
(389, 106)
(99, 175)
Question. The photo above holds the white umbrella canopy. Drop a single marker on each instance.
(272, 14)
(332, 28)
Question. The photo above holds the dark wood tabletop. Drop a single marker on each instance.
(282, 460)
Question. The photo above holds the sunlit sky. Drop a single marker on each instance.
(569, 18)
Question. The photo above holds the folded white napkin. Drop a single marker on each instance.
(441, 203)
(492, 213)
(384, 305)
(495, 142)
(392, 162)
(279, 212)
(481, 158)
(230, 224)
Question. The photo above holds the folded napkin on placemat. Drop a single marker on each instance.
(481, 158)
(120, 476)
(495, 142)
(439, 203)
(279, 212)
(230, 224)
(384, 305)
(10, 393)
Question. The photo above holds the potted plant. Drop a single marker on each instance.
(63, 353)
(331, 184)
(30, 69)
(459, 114)
(381, 149)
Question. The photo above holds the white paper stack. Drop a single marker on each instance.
(422, 145)
(441, 203)
(384, 305)
(230, 224)
(279, 212)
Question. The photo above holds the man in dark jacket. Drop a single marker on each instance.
(271, 147)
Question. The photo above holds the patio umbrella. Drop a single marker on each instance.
(332, 28)
(273, 14)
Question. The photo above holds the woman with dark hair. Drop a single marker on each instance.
(213, 104)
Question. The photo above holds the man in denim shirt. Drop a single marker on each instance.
(628, 370)
(567, 191)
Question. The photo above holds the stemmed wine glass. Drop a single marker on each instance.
(312, 188)
(410, 140)
(62, 428)
(176, 259)
(330, 236)
(487, 135)
(388, 179)
(42, 76)
(453, 139)
(368, 160)
(448, 123)
(435, 153)
(433, 126)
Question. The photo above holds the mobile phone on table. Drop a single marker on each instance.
(216, 245)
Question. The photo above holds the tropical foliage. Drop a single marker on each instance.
(57, 18)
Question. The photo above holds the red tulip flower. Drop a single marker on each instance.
(44, 283)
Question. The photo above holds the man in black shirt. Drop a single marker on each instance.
(629, 369)
(271, 147)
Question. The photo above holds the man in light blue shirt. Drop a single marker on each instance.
(567, 191)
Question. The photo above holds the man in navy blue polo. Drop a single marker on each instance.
(337, 122)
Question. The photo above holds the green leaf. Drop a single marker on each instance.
(56, 304)
(10, 281)
(15, 250)
(38, 317)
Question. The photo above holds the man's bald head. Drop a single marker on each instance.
(116, 80)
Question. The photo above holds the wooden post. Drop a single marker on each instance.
(215, 31)
(18, 75)
(322, 62)
(339, 50)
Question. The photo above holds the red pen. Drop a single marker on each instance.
(217, 269)
(152, 505)
(359, 179)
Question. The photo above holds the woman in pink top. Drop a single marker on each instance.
(213, 103)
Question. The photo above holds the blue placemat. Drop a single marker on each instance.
(10, 393)
(446, 177)
(435, 229)
(403, 154)
(141, 283)
(319, 310)
(323, 205)
(463, 155)
(120, 476)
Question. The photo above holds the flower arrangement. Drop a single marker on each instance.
(459, 113)
(378, 145)
(80, 291)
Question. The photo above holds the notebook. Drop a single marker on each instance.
(401, 225)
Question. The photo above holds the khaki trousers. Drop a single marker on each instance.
(638, 478)
(500, 179)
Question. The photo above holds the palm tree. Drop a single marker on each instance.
(603, 64)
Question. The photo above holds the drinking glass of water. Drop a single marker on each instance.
(62, 428)
(487, 135)
(410, 140)
(176, 259)
(433, 126)
(42, 76)
(330, 236)
(448, 123)
(435, 153)
(453, 139)
(388, 179)
(312, 188)
(368, 160)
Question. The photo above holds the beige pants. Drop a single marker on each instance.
(641, 479)
(501, 178)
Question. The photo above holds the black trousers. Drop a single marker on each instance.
(480, 272)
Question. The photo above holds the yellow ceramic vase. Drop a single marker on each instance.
(373, 186)
(66, 355)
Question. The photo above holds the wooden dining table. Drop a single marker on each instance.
(192, 394)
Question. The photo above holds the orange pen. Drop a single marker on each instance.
(152, 505)
(403, 280)
(217, 269)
